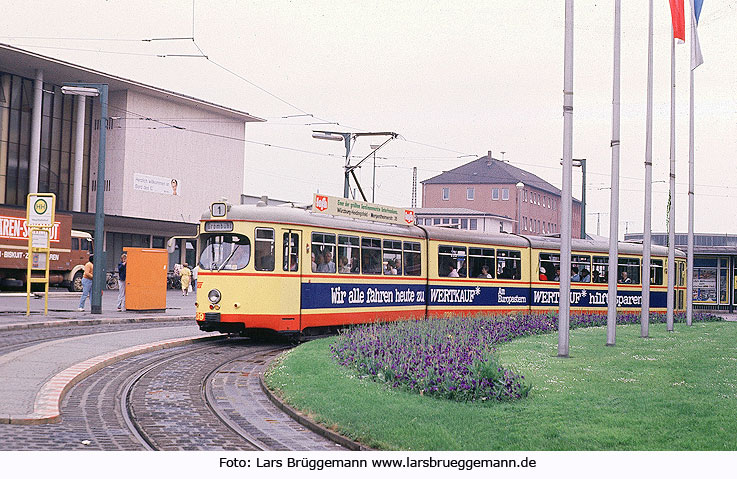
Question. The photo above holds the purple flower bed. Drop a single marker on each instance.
(454, 358)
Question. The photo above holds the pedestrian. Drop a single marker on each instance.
(121, 281)
(86, 283)
(185, 278)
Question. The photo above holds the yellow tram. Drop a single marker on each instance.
(292, 271)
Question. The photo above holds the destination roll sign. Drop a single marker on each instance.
(332, 205)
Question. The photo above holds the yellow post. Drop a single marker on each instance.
(40, 214)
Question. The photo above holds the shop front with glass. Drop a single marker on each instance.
(714, 282)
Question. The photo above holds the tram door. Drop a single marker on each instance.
(290, 290)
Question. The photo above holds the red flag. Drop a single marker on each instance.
(679, 20)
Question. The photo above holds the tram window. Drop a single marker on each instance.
(371, 255)
(224, 252)
(412, 259)
(264, 249)
(508, 264)
(349, 255)
(323, 252)
(580, 268)
(452, 261)
(681, 273)
(549, 267)
(656, 271)
(291, 252)
(628, 271)
(481, 262)
(600, 270)
(392, 260)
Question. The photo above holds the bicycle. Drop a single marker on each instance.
(111, 280)
(173, 281)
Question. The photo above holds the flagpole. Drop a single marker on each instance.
(646, 238)
(614, 204)
(671, 215)
(564, 304)
(689, 254)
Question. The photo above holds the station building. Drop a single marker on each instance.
(488, 185)
(168, 155)
(715, 267)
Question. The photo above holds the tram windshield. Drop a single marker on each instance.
(224, 252)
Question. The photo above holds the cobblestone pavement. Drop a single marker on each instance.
(168, 403)
(236, 394)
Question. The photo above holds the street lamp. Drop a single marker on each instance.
(581, 162)
(519, 186)
(98, 279)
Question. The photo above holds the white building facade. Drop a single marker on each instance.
(168, 155)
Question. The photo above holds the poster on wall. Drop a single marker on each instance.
(156, 184)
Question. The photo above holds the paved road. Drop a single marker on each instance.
(63, 307)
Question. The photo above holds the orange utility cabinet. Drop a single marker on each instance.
(145, 279)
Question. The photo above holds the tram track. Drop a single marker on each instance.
(189, 400)
(200, 396)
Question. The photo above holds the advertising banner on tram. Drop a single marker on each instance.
(356, 295)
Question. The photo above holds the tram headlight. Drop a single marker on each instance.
(214, 296)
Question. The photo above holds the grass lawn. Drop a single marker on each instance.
(672, 391)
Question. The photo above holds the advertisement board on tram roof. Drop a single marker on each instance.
(348, 208)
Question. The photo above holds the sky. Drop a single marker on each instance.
(453, 79)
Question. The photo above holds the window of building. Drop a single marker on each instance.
(508, 264)
(464, 223)
(323, 253)
(454, 221)
(481, 263)
(446, 194)
(495, 193)
(158, 242)
(452, 261)
(705, 280)
(412, 258)
(436, 221)
(392, 257)
(349, 255)
(505, 194)
(524, 196)
(446, 221)
(469, 193)
(472, 224)
(371, 255)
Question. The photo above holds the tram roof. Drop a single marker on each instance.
(298, 216)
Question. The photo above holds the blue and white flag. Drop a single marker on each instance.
(696, 58)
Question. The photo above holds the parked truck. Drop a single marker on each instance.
(70, 250)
